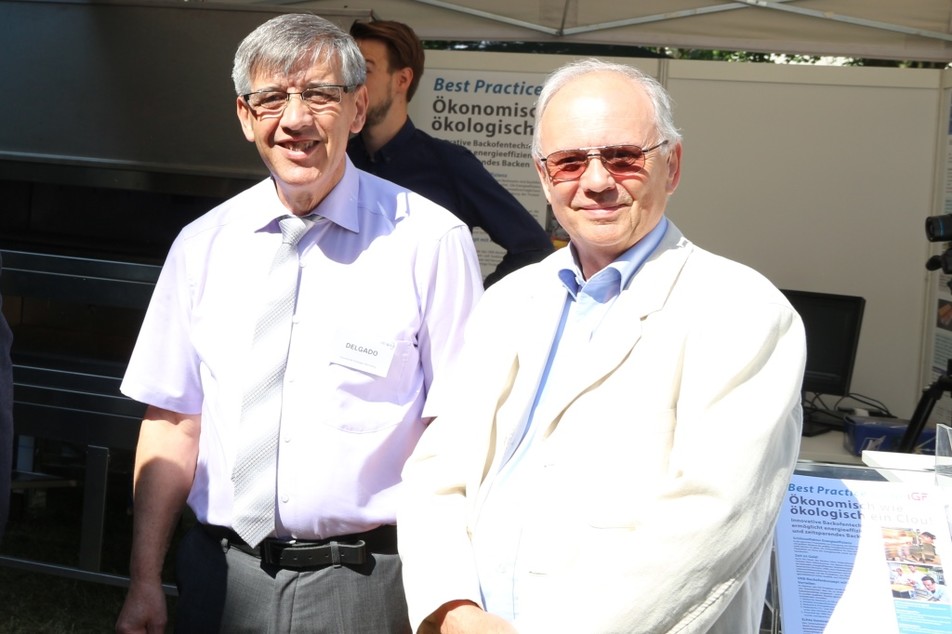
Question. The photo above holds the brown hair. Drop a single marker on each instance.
(404, 49)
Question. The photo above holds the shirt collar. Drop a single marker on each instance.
(610, 281)
(339, 206)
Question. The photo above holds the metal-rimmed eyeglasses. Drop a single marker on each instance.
(621, 161)
(271, 103)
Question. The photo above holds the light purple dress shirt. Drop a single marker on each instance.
(387, 282)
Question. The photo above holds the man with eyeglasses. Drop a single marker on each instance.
(285, 359)
(390, 146)
(935, 592)
(630, 403)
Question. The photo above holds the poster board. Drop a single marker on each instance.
(855, 555)
(491, 113)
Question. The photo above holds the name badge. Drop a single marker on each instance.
(367, 355)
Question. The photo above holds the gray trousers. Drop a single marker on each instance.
(222, 589)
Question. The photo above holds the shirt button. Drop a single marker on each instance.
(284, 498)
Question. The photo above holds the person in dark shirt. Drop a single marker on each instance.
(6, 416)
(391, 147)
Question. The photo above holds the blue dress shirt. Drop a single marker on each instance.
(500, 519)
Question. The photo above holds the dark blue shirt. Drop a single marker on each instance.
(452, 176)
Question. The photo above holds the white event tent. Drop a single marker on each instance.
(886, 29)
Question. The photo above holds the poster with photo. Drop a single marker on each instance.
(863, 556)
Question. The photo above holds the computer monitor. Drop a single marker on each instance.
(832, 324)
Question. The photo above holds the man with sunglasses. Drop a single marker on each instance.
(285, 359)
(630, 403)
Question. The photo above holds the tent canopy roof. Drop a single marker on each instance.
(883, 29)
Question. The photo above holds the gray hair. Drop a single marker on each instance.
(293, 42)
(660, 100)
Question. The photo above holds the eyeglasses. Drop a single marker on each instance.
(271, 103)
(621, 161)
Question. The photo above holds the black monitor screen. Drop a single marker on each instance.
(832, 324)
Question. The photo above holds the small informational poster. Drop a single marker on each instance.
(863, 556)
(492, 114)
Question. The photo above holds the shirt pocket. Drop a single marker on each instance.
(378, 396)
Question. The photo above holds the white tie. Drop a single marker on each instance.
(255, 472)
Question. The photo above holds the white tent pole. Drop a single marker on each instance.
(648, 19)
(660, 17)
(489, 16)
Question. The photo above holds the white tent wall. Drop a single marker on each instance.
(819, 177)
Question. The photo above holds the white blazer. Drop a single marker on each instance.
(665, 464)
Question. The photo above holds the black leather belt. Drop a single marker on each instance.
(295, 554)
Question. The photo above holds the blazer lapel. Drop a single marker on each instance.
(621, 329)
(536, 327)
(540, 323)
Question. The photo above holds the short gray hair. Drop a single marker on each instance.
(660, 100)
(292, 42)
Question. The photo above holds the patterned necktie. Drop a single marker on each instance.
(255, 472)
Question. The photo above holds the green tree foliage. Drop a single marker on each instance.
(718, 56)
(613, 50)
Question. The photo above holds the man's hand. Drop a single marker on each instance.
(166, 456)
(144, 610)
(465, 617)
